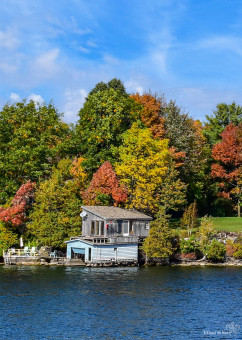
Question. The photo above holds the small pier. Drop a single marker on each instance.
(30, 257)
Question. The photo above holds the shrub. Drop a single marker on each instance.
(233, 249)
(230, 248)
(238, 253)
(189, 246)
(215, 251)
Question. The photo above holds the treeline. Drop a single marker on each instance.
(136, 151)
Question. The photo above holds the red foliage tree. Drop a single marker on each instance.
(105, 188)
(151, 113)
(228, 169)
(17, 212)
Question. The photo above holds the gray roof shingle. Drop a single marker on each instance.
(107, 212)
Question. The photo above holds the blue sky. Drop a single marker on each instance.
(188, 50)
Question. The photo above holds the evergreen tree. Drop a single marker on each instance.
(221, 117)
(159, 241)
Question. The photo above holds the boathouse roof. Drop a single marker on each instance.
(107, 212)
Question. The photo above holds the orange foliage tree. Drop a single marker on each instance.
(105, 188)
(151, 113)
(228, 169)
(16, 214)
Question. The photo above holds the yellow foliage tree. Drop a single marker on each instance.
(79, 173)
(142, 167)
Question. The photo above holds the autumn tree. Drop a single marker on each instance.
(143, 167)
(151, 113)
(106, 114)
(189, 218)
(16, 214)
(228, 167)
(79, 173)
(32, 139)
(105, 188)
(219, 119)
(56, 213)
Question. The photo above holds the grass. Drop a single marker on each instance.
(231, 224)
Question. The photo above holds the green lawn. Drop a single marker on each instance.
(228, 223)
(231, 224)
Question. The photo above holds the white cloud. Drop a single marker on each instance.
(46, 62)
(231, 43)
(15, 97)
(8, 40)
(74, 100)
(133, 87)
(7, 67)
(36, 98)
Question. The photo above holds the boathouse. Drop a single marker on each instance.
(109, 235)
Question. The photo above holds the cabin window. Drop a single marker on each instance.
(126, 228)
(120, 227)
(147, 225)
(89, 254)
(102, 228)
(96, 227)
(131, 227)
(93, 228)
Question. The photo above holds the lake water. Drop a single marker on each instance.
(120, 303)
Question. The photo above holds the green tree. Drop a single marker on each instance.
(221, 117)
(7, 237)
(159, 241)
(172, 195)
(32, 139)
(55, 216)
(115, 84)
(103, 118)
(185, 135)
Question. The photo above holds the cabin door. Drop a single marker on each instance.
(126, 228)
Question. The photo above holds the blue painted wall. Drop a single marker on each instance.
(105, 252)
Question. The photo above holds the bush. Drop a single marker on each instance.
(215, 251)
(238, 253)
(234, 249)
(230, 249)
(189, 246)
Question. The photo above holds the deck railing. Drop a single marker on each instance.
(12, 252)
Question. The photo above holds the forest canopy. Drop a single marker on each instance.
(130, 150)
